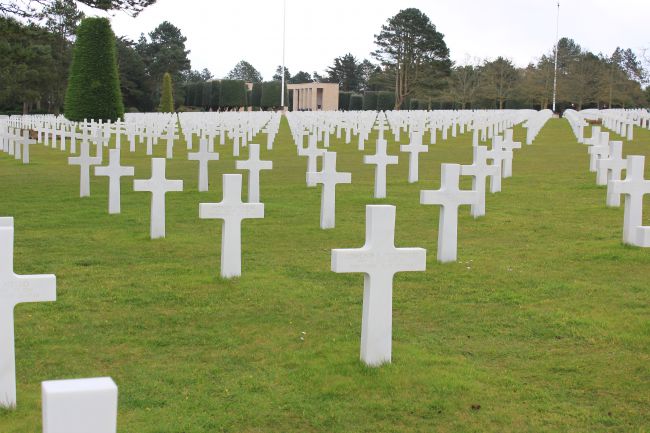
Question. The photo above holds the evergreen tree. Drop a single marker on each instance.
(410, 44)
(167, 98)
(94, 83)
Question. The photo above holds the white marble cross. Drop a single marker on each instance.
(509, 145)
(118, 133)
(480, 170)
(329, 177)
(80, 406)
(232, 211)
(634, 187)
(611, 169)
(508, 140)
(25, 141)
(170, 136)
(312, 152)
(115, 171)
(158, 185)
(84, 161)
(150, 136)
(496, 156)
(203, 156)
(414, 148)
(598, 151)
(379, 261)
(15, 289)
(254, 165)
(502, 155)
(449, 197)
(381, 159)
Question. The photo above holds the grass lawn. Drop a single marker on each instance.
(543, 324)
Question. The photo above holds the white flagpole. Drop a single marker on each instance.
(284, 34)
(557, 43)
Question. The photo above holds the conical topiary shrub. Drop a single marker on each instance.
(167, 96)
(94, 83)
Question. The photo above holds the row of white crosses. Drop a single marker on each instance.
(56, 131)
(15, 142)
(501, 155)
(606, 159)
(240, 127)
(158, 184)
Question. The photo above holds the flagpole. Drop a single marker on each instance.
(284, 34)
(557, 43)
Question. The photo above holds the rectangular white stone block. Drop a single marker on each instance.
(80, 406)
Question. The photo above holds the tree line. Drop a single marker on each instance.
(411, 62)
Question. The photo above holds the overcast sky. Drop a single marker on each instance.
(222, 32)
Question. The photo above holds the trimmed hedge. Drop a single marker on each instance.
(271, 94)
(385, 101)
(206, 95)
(232, 94)
(167, 97)
(370, 100)
(94, 83)
(216, 94)
(193, 94)
(256, 95)
(344, 100)
(356, 102)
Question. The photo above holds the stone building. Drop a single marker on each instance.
(315, 96)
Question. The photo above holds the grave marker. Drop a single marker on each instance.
(414, 148)
(254, 165)
(203, 156)
(115, 171)
(450, 197)
(380, 159)
(84, 161)
(633, 187)
(80, 406)
(232, 211)
(379, 261)
(480, 170)
(329, 178)
(158, 185)
(14, 290)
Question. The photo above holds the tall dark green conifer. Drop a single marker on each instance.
(94, 83)
(167, 98)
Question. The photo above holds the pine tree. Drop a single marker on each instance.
(94, 83)
(167, 97)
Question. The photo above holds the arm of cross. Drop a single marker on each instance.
(314, 178)
(34, 288)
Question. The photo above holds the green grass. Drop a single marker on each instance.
(543, 321)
